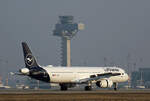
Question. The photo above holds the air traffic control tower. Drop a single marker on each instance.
(66, 29)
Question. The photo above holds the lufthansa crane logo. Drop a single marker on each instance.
(29, 60)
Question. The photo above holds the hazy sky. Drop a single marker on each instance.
(113, 29)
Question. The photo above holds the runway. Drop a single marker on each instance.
(74, 95)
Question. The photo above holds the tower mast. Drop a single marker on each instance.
(66, 29)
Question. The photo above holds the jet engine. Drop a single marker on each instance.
(24, 71)
(104, 83)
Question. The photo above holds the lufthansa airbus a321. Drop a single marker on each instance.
(103, 77)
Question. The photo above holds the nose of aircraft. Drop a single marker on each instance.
(127, 77)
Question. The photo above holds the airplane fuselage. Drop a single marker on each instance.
(73, 74)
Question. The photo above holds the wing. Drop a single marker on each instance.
(96, 77)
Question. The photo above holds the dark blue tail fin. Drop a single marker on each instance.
(29, 59)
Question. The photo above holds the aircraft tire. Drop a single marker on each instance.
(115, 89)
(63, 88)
(88, 88)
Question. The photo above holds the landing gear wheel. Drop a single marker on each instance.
(115, 89)
(88, 88)
(63, 87)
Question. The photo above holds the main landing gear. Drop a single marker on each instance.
(63, 87)
(88, 87)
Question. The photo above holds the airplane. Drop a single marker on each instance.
(103, 77)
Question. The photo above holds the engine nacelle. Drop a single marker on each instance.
(24, 71)
(104, 83)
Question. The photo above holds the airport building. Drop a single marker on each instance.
(141, 78)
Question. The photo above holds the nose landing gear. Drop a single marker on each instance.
(115, 86)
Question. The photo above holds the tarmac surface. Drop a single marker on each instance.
(74, 95)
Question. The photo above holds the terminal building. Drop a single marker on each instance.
(141, 78)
